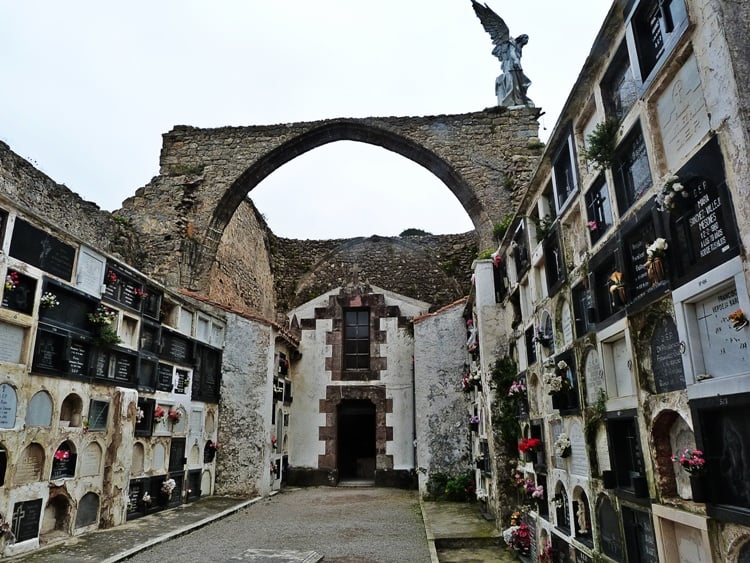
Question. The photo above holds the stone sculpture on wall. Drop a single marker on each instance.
(512, 84)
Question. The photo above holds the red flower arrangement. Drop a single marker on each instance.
(62, 455)
(174, 416)
(521, 539)
(159, 414)
(528, 444)
(140, 293)
(111, 277)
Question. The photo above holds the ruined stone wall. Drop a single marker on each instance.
(442, 408)
(241, 273)
(36, 194)
(431, 268)
(485, 158)
(244, 413)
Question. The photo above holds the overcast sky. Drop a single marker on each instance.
(89, 87)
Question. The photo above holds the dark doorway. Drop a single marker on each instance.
(356, 439)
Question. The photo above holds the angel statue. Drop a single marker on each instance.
(512, 84)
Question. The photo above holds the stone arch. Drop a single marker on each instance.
(562, 506)
(209, 173)
(206, 481)
(195, 455)
(91, 460)
(671, 433)
(739, 550)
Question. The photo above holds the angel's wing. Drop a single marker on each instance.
(495, 26)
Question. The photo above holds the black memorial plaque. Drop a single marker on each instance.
(636, 243)
(39, 248)
(101, 364)
(581, 557)
(175, 347)
(25, 522)
(706, 223)
(78, 359)
(182, 381)
(666, 357)
(177, 459)
(50, 351)
(152, 303)
(164, 378)
(124, 371)
(532, 539)
(135, 497)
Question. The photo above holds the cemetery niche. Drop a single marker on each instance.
(666, 357)
(19, 292)
(42, 250)
(63, 461)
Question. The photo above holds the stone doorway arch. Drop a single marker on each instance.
(485, 158)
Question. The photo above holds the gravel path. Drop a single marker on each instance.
(345, 525)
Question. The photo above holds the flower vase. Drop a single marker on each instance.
(740, 325)
(699, 487)
(621, 294)
(655, 271)
(565, 453)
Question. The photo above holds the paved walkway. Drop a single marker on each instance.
(336, 525)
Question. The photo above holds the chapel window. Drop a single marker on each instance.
(357, 339)
(656, 25)
(620, 88)
(598, 210)
(564, 177)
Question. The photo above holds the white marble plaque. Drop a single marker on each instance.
(90, 273)
(621, 361)
(196, 422)
(724, 349)
(195, 456)
(137, 463)
(556, 429)
(579, 459)
(181, 427)
(682, 114)
(8, 404)
(11, 343)
(592, 369)
(91, 460)
(689, 544)
(210, 423)
(39, 411)
(567, 324)
(602, 450)
(30, 465)
(206, 483)
(160, 455)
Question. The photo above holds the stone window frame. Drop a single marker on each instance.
(565, 179)
(100, 427)
(335, 394)
(672, 23)
(597, 211)
(355, 360)
(712, 282)
(629, 468)
(631, 155)
(618, 99)
(605, 338)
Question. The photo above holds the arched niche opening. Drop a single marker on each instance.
(91, 460)
(671, 435)
(137, 464)
(57, 519)
(71, 411)
(562, 507)
(582, 517)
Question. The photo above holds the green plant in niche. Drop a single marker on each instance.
(485, 254)
(108, 335)
(543, 226)
(504, 412)
(600, 143)
(501, 227)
